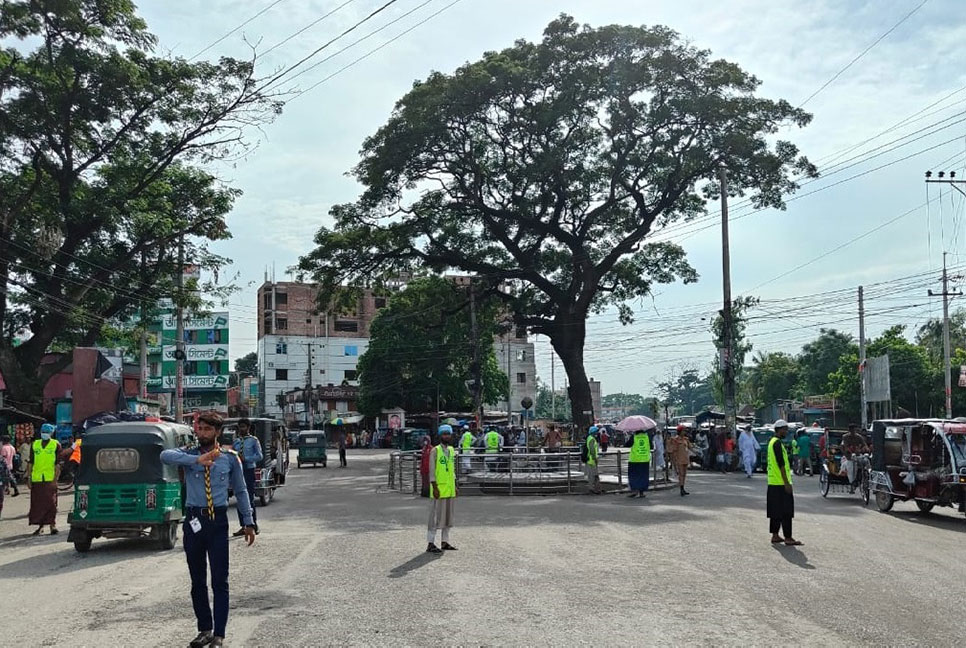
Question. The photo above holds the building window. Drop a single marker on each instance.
(268, 300)
(281, 299)
(281, 348)
(281, 324)
(352, 350)
(281, 374)
(308, 321)
(350, 374)
(347, 325)
(380, 302)
(521, 379)
(522, 355)
(521, 333)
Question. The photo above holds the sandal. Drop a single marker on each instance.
(779, 541)
(37, 532)
(794, 543)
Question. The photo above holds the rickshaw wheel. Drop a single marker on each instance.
(82, 542)
(884, 501)
(823, 483)
(866, 491)
(925, 507)
(169, 535)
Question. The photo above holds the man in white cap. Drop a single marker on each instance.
(780, 501)
(443, 491)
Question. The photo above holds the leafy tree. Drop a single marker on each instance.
(546, 169)
(822, 357)
(247, 365)
(772, 376)
(930, 335)
(688, 392)
(97, 136)
(549, 408)
(422, 342)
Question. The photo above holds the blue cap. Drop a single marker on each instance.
(593, 429)
(445, 429)
(48, 428)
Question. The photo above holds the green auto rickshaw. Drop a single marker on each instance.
(122, 490)
(312, 448)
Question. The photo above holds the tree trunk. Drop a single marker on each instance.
(567, 339)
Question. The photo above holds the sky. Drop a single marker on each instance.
(897, 111)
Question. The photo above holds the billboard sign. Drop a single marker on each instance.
(194, 352)
(876, 377)
(196, 382)
(212, 321)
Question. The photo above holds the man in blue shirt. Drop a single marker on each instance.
(208, 473)
(249, 450)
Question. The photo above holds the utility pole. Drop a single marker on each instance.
(946, 294)
(726, 314)
(954, 184)
(179, 355)
(309, 412)
(475, 367)
(553, 387)
(865, 407)
(509, 383)
(144, 355)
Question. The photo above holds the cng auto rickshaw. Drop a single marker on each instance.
(919, 459)
(312, 448)
(270, 471)
(122, 488)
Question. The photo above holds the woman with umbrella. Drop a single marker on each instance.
(639, 463)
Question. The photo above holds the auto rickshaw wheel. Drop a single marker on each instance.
(263, 499)
(925, 507)
(323, 463)
(299, 462)
(82, 541)
(169, 535)
(884, 501)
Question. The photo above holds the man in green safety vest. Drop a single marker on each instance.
(780, 500)
(443, 491)
(466, 447)
(493, 442)
(639, 461)
(590, 465)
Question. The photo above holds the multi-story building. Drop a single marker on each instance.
(515, 357)
(206, 365)
(295, 339)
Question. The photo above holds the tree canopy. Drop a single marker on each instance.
(546, 170)
(421, 345)
(97, 141)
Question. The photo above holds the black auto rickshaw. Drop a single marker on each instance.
(311, 444)
(122, 488)
(270, 471)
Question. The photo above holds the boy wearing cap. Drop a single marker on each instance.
(442, 485)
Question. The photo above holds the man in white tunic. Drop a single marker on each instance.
(748, 446)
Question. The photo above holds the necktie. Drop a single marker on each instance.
(211, 502)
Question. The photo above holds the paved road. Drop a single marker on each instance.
(341, 563)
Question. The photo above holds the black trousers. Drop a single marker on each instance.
(342, 456)
(204, 549)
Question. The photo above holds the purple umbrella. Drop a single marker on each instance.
(636, 424)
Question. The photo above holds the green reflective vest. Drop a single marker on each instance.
(774, 472)
(591, 450)
(492, 442)
(445, 471)
(45, 458)
(641, 450)
(466, 442)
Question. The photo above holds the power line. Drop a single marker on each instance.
(236, 29)
(306, 28)
(863, 53)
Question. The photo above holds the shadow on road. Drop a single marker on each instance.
(934, 519)
(793, 555)
(413, 564)
(68, 560)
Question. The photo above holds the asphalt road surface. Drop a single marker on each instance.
(341, 562)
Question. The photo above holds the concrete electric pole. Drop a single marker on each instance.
(726, 312)
(864, 404)
(947, 368)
